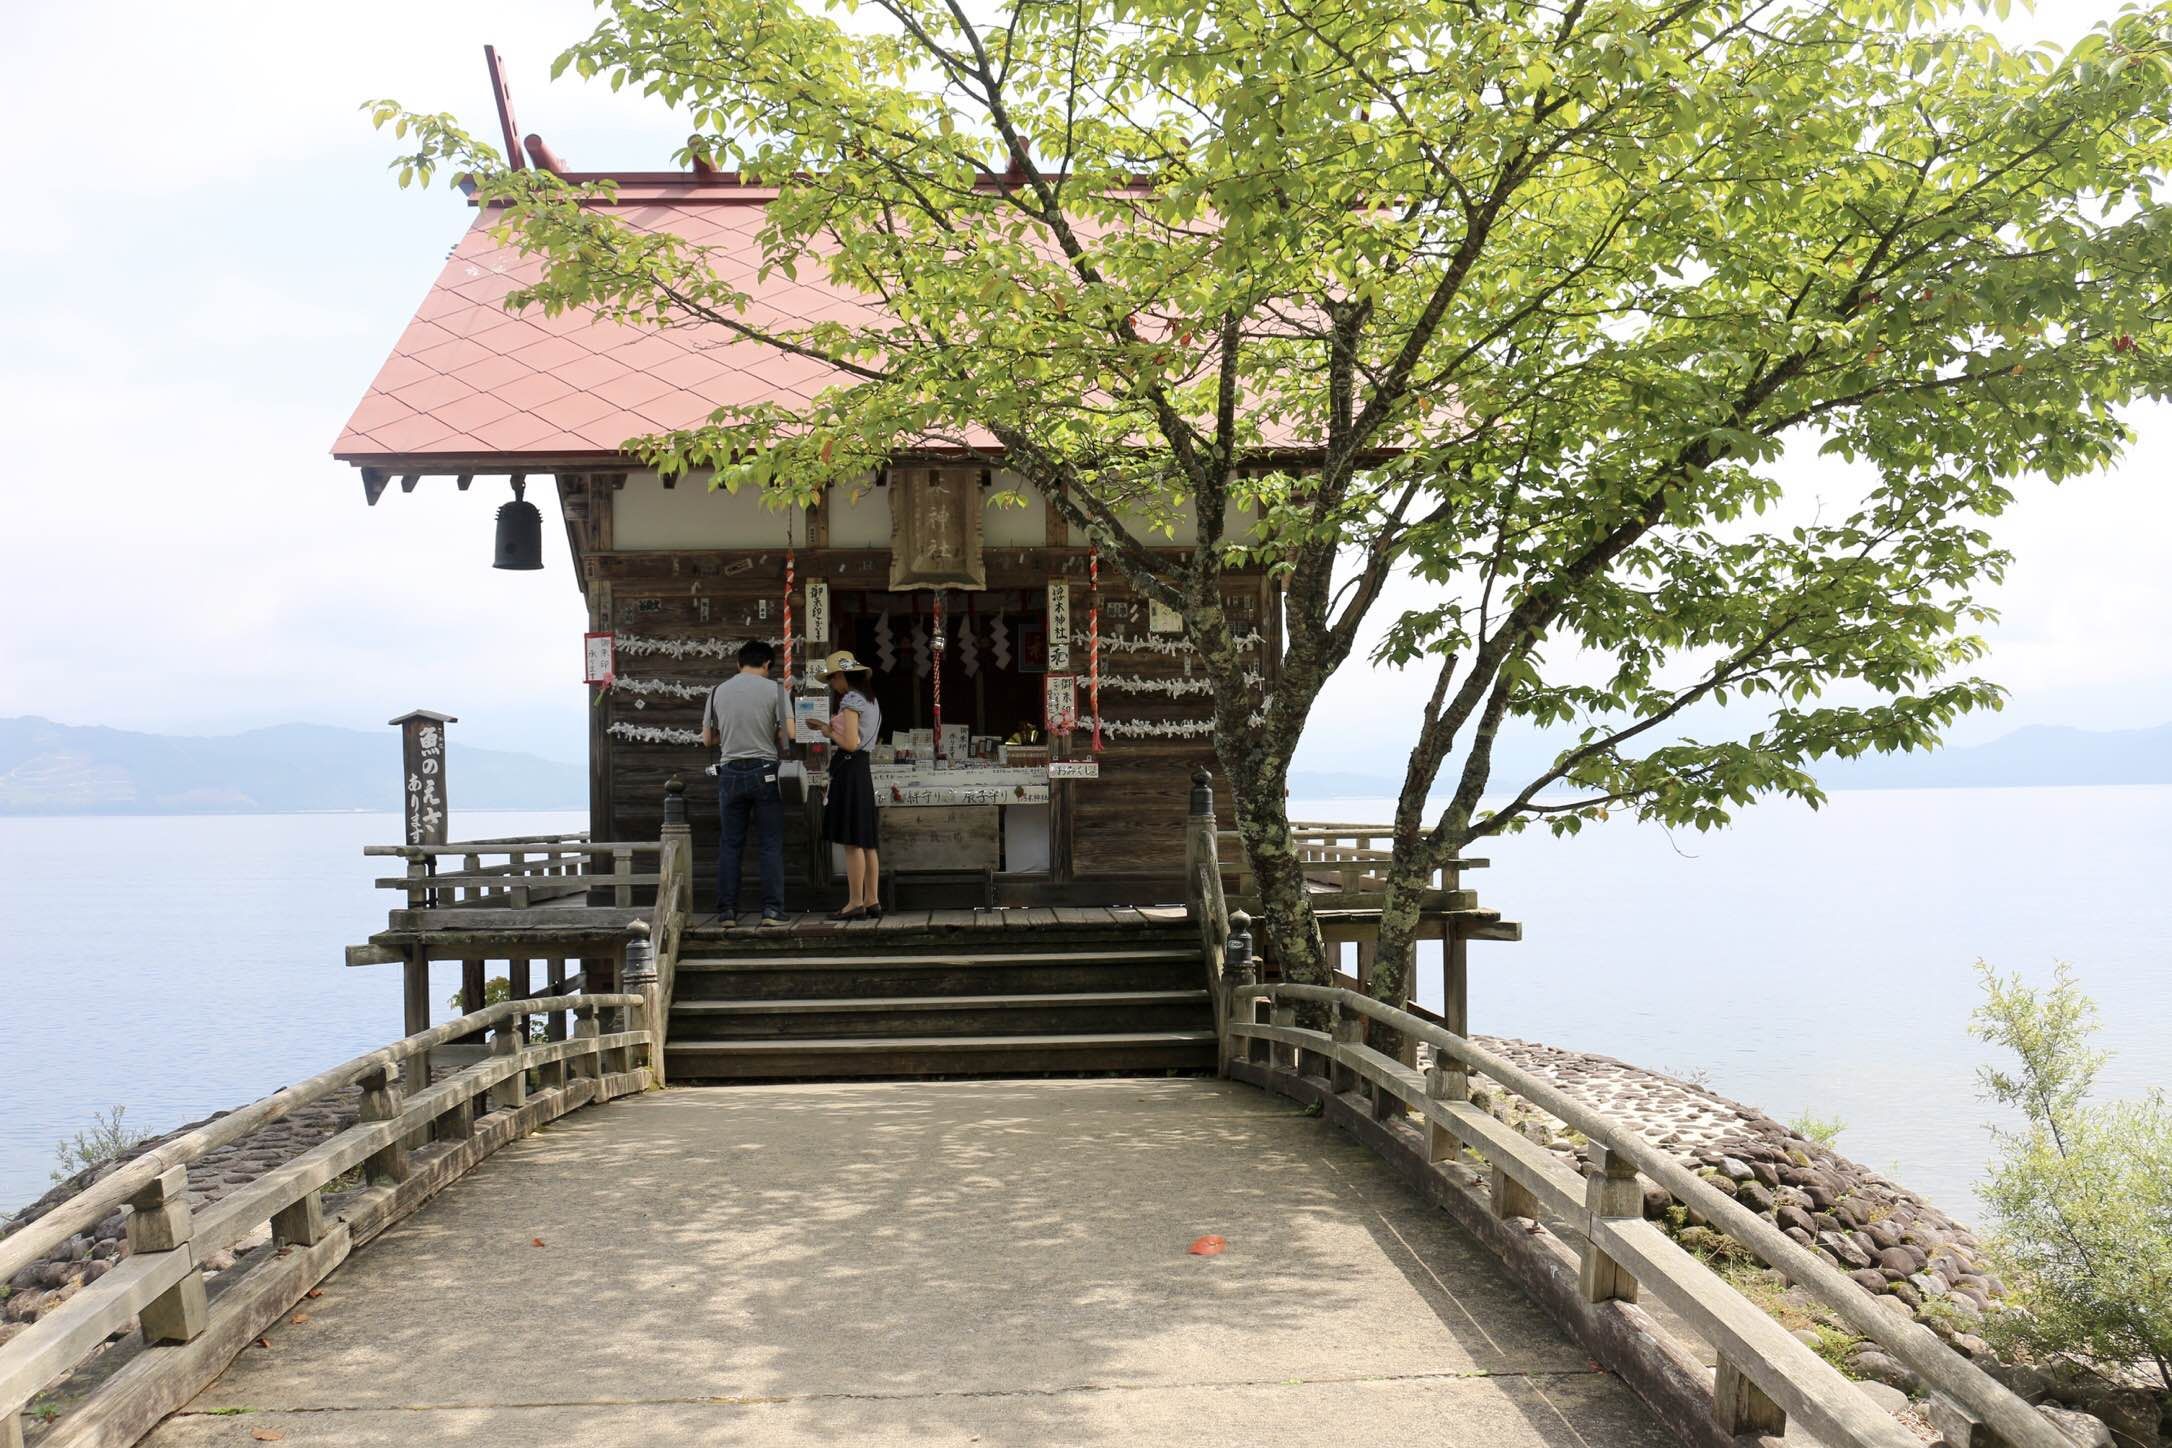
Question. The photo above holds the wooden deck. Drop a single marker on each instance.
(1001, 918)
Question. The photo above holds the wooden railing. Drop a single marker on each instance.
(1344, 863)
(1765, 1376)
(1208, 906)
(533, 870)
(674, 908)
(1350, 859)
(188, 1338)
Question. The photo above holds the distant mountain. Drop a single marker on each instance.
(49, 769)
(2041, 754)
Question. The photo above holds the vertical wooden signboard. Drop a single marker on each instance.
(422, 773)
(1059, 628)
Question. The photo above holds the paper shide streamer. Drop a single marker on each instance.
(651, 733)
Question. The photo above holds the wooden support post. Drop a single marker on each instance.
(622, 865)
(600, 973)
(415, 1018)
(1511, 1198)
(387, 1167)
(614, 1020)
(1282, 1055)
(11, 1429)
(1610, 1190)
(456, 1123)
(1259, 1052)
(1444, 1083)
(586, 1064)
(158, 1221)
(554, 1025)
(1741, 1406)
(1455, 996)
(508, 1041)
(419, 870)
(300, 1224)
(474, 979)
(1348, 1030)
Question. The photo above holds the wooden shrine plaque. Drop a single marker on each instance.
(1059, 628)
(422, 772)
(935, 529)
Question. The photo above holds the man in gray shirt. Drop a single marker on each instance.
(748, 722)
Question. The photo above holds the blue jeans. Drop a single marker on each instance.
(749, 787)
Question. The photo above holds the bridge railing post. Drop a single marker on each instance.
(1203, 896)
(380, 1102)
(1741, 1407)
(640, 978)
(674, 907)
(1238, 971)
(507, 1042)
(1348, 1029)
(1279, 1053)
(158, 1221)
(588, 1064)
(1610, 1190)
(1446, 1081)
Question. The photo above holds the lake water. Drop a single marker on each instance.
(1821, 960)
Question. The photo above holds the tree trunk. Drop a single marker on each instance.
(1257, 765)
(1395, 954)
(1285, 906)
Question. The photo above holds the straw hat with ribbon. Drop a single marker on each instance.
(843, 662)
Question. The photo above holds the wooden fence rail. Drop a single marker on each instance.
(1350, 859)
(190, 1338)
(1765, 1376)
(674, 908)
(536, 870)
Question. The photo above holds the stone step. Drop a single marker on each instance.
(975, 973)
(922, 1056)
(1060, 1012)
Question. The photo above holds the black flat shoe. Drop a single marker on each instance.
(842, 915)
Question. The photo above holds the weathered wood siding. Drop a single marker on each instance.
(1128, 823)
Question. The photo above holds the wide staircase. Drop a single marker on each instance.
(1053, 1000)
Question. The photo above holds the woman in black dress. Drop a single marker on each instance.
(848, 814)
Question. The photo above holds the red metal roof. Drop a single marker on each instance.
(472, 387)
(469, 381)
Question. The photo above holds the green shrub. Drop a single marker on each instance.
(2080, 1195)
(1824, 1130)
(104, 1139)
(497, 988)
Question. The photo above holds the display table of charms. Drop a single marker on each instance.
(930, 784)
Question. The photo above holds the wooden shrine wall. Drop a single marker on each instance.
(680, 618)
(1156, 718)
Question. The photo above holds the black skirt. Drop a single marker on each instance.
(848, 814)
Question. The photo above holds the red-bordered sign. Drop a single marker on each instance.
(599, 658)
(1061, 710)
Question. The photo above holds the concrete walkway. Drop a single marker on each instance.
(996, 1262)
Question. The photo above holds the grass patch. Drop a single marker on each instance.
(1824, 1130)
(1829, 1336)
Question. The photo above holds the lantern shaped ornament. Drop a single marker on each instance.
(520, 532)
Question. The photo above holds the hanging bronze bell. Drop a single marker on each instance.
(520, 532)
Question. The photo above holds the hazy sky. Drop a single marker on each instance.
(207, 262)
